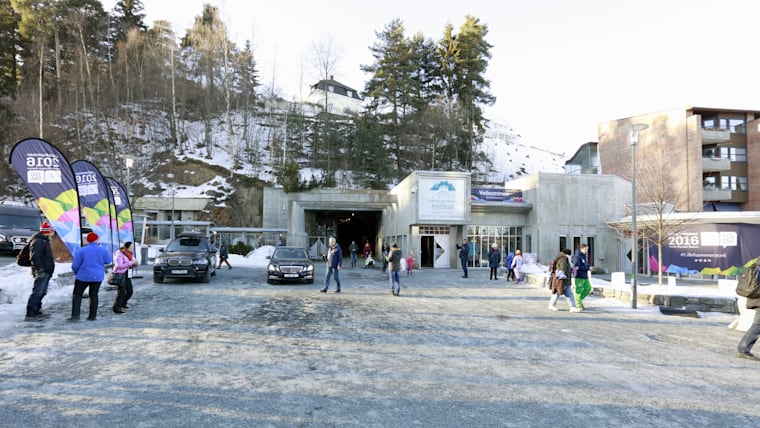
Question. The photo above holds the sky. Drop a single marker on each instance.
(558, 68)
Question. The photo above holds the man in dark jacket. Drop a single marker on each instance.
(43, 266)
(582, 283)
(353, 249)
(752, 334)
(494, 261)
(464, 254)
(334, 261)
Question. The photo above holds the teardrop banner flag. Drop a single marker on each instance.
(94, 201)
(50, 179)
(120, 201)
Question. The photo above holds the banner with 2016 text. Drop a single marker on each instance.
(95, 202)
(50, 179)
(122, 211)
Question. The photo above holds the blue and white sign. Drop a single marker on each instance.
(443, 199)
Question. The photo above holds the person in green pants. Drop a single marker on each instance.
(580, 269)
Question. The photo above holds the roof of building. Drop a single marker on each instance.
(337, 88)
(167, 204)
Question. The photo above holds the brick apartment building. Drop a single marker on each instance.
(713, 154)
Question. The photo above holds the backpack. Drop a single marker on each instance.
(749, 283)
(22, 259)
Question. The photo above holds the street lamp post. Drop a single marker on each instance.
(129, 162)
(635, 129)
(171, 232)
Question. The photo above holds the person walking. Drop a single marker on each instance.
(334, 262)
(394, 264)
(409, 264)
(517, 262)
(464, 255)
(753, 332)
(508, 265)
(353, 250)
(386, 251)
(125, 261)
(43, 266)
(580, 269)
(561, 281)
(494, 261)
(89, 267)
(224, 256)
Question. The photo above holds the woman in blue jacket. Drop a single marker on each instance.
(89, 266)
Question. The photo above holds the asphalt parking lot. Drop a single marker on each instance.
(447, 352)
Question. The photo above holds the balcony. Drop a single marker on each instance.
(715, 135)
(715, 164)
(714, 194)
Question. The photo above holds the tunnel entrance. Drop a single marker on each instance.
(344, 225)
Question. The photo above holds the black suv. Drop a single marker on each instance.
(190, 256)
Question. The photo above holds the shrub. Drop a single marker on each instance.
(240, 248)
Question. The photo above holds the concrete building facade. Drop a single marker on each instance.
(431, 212)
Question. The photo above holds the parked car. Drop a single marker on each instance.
(17, 224)
(190, 256)
(290, 264)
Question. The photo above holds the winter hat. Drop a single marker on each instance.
(92, 237)
(46, 227)
(494, 245)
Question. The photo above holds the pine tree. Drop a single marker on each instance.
(9, 41)
(470, 85)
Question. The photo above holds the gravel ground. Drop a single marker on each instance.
(448, 352)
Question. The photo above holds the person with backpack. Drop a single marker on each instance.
(43, 266)
(749, 287)
(508, 266)
(394, 264)
(560, 283)
(89, 266)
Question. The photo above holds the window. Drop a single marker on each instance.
(712, 151)
(434, 230)
(734, 125)
(508, 238)
(349, 94)
(736, 154)
(708, 122)
(331, 88)
(734, 183)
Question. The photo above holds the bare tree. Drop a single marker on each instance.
(324, 57)
(657, 197)
(208, 37)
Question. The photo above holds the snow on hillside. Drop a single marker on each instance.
(511, 159)
(502, 145)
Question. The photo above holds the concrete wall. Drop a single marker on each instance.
(575, 205)
(554, 205)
